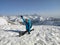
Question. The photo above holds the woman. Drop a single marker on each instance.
(28, 24)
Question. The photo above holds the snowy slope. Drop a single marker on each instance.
(3, 21)
(42, 34)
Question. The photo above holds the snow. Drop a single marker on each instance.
(3, 21)
(42, 35)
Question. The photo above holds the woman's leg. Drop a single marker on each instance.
(28, 30)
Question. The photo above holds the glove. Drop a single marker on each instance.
(21, 16)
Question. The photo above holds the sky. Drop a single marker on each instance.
(49, 8)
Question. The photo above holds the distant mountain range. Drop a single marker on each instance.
(36, 19)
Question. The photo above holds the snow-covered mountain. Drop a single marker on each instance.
(3, 21)
(36, 20)
(45, 33)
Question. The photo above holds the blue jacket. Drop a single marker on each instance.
(28, 24)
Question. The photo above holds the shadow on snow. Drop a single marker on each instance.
(21, 33)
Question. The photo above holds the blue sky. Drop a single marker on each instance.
(41, 7)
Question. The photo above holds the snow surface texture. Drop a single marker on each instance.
(42, 35)
(3, 21)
